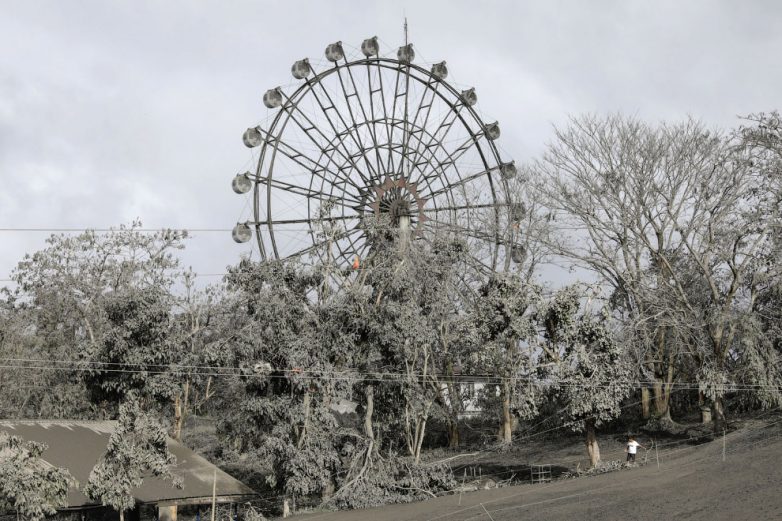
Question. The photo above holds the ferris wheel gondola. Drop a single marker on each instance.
(371, 137)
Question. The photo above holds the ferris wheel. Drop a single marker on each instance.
(374, 138)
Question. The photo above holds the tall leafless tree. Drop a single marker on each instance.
(659, 212)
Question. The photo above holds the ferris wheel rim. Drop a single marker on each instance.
(430, 82)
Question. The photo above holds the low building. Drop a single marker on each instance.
(78, 445)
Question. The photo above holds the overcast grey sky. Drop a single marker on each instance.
(115, 110)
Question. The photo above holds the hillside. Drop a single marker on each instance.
(692, 483)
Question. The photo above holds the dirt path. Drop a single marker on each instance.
(692, 483)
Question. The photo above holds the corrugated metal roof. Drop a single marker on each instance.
(77, 446)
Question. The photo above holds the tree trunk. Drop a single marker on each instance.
(453, 407)
(506, 427)
(409, 434)
(453, 434)
(369, 430)
(180, 411)
(178, 417)
(662, 365)
(705, 409)
(645, 403)
(718, 411)
(661, 400)
(421, 430)
(591, 443)
(306, 405)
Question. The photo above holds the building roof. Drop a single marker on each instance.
(78, 445)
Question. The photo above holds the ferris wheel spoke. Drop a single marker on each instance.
(421, 129)
(438, 167)
(311, 165)
(370, 128)
(353, 248)
(391, 166)
(375, 117)
(445, 126)
(303, 220)
(406, 123)
(453, 156)
(462, 149)
(290, 107)
(463, 207)
(325, 242)
(388, 124)
(347, 131)
(306, 192)
(434, 224)
(463, 181)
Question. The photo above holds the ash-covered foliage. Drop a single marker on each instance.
(594, 376)
(30, 486)
(397, 479)
(382, 344)
(137, 449)
(328, 382)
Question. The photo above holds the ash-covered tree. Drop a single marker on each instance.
(303, 347)
(664, 210)
(151, 345)
(288, 364)
(62, 289)
(402, 312)
(409, 319)
(505, 325)
(196, 334)
(21, 388)
(617, 187)
(592, 375)
(136, 450)
(135, 348)
(30, 486)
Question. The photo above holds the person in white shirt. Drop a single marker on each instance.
(632, 449)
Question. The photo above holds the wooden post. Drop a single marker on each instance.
(723, 444)
(214, 493)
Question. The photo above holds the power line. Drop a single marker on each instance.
(109, 230)
(332, 374)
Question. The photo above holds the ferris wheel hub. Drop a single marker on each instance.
(399, 200)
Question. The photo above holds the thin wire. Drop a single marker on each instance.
(116, 230)
(287, 228)
(330, 374)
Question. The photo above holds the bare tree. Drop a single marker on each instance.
(660, 212)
